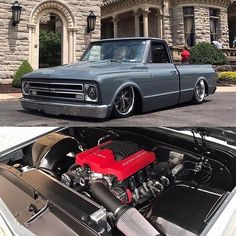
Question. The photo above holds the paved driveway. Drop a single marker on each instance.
(218, 110)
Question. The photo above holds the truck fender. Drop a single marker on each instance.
(127, 84)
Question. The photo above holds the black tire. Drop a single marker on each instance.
(199, 92)
(124, 103)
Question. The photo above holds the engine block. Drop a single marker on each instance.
(120, 158)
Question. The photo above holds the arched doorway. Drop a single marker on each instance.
(68, 31)
(50, 40)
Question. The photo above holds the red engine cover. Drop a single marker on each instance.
(102, 160)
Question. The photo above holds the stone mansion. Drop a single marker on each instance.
(179, 22)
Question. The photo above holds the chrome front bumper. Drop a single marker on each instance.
(52, 108)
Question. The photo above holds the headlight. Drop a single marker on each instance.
(91, 93)
(25, 88)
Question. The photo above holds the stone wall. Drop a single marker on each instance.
(224, 29)
(167, 22)
(81, 9)
(14, 46)
(14, 41)
(202, 24)
(178, 26)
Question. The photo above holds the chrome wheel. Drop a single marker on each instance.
(200, 92)
(124, 102)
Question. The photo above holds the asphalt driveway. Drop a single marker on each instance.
(218, 110)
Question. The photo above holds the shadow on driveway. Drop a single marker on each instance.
(97, 120)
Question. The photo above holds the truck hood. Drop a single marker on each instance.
(225, 136)
(13, 138)
(85, 70)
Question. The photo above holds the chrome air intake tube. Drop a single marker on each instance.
(128, 220)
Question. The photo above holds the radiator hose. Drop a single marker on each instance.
(128, 220)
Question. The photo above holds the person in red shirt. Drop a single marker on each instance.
(185, 55)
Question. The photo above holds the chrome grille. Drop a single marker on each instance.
(57, 90)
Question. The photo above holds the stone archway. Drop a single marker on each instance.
(68, 30)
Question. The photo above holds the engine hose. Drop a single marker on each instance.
(127, 219)
(101, 192)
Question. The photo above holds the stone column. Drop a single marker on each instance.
(136, 22)
(31, 28)
(70, 48)
(65, 45)
(115, 28)
(167, 21)
(178, 26)
(34, 45)
(74, 43)
(223, 28)
(160, 23)
(202, 24)
(145, 23)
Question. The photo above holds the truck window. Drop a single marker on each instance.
(158, 53)
(122, 50)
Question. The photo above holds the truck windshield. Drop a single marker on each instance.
(118, 51)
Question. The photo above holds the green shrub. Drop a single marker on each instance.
(227, 76)
(24, 68)
(205, 53)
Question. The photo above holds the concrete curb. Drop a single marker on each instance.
(10, 96)
(229, 89)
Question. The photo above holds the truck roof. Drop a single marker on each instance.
(129, 38)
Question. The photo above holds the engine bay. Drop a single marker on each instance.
(143, 184)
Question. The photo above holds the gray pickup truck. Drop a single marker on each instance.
(116, 77)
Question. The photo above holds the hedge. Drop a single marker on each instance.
(205, 53)
(227, 76)
(24, 68)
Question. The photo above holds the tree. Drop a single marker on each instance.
(49, 48)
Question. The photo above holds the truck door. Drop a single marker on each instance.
(163, 88)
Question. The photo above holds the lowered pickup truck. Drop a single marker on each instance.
(117, 76)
